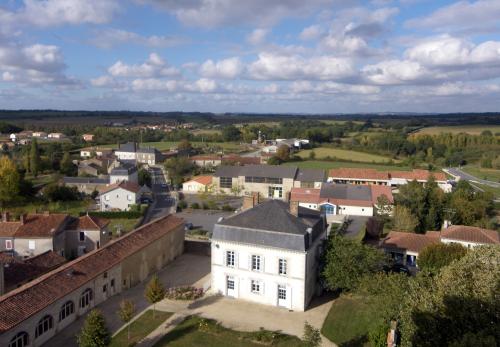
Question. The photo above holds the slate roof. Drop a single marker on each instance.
(274, 171)
(471, 234)
(23, 302)
(228, 171)
(150, 150)
(346, 192)
(310, 175)
(86, 180)
(271, 224)
(128, 147)
(124, 169)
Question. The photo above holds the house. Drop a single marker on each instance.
(131, 152)
(35, 312)
(88, 137)
(197, 185)
(95, 151)
(124, 172)
(342, 199)
(39, 134)
(89, 169)
(206, 160)
(33, 234)
(386, 178)
(20, 271)
(405, 247)
(56, 136)
(14, 137)
(270, 181)
(119, 196)
(87, 185)
(216, 160)
(86, 233)
(268, 253)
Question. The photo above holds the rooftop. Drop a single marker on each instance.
(397, 240)
(372, 174)
(86, 180)
(310, 175)
(202, 180)
(471, 234)
(34, 225)
(87, 223)
(22, 303)
(127, 185)
(274, 171)
(128, 147)
(125, 168)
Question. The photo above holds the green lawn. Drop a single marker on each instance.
(43, 179)
(469, 129)
(485, 174)
(125, 225)
(325, 165)
(343, 154)
(349, 321)
(167, 145)
(140, 328)
(195, 331)
(71, 207)
(495, 191)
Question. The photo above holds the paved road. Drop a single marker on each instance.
(465, 176)
(163, 203)
(205, 220)
(355, 225)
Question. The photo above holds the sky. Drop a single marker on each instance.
(278, 56)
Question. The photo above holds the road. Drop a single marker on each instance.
(465, 176)
(163, 203)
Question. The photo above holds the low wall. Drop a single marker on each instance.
(200, 247)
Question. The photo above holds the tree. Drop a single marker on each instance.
(126, 313)
(403, 219)
(185, 146)
(67, 167)
(458, 305)
(144, 177)
(155, 292)
(55, 192)
(347, 261)
(312, 336)
(312, 155)
(34, 158)
(94, 332)
(283, 153)
(434, 257)
(383, 206)
(176, 168)
(231, 133)
(9, 180)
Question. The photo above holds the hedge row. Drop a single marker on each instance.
(116, 214)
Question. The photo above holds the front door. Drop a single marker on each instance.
(282, 296)
(230, 287)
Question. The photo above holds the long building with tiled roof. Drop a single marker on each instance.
(33, 313)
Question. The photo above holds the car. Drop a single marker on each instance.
(146, 200)
(188, 226)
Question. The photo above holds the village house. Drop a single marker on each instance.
(208, 161)
(35, 312)
(268, 253)
(132, 152)
(56, 136)
(39, 134)
(405, 247)
(197, 185)
(124, 172)
(275, 182)
(86, 233)
(342, 199)
(120, 196)
(87, 185)
(88, 137)
(96, 151)
(386, 178)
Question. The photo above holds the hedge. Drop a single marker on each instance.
(114, 215)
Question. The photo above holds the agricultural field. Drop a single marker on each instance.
(469, 129)
(325, 165)
(482, 173)
(343, 154)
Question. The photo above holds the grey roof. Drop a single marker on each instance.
(271, 224)
(86, 180)
(310, 175)
(274, 171)
(346, 192)
(124, 169)
(128, 147)
(147, 150)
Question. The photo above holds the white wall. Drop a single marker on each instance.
(466, 244)
(355, 210)
(310, 205)
(192, 187)
(118, 198)
(125, 155)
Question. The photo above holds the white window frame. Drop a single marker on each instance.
(231, 263)
(256, 262)
(31, 245)
(256, 287)
(8, 245)
(282, 266)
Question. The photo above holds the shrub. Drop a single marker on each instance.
(195, 206)
(116, 214)
(227, 207)
(182, 204)
(184, 293)
(312, 336)
(205, 206)
(378, 336)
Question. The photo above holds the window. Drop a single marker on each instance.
(66, 309)
(282, 266)
(105, 288)
(306, 184)
(112, 283)
(85, 298)
(275, 192)
(269, 180)
(230, 258)
(44, 325)
(106, 197)
(327, 209)
(105, 274)
(256, 262)
(82, 236)
(281, 292)
(255, 287)
(8, 244)
(20, 340)
(129, 197)
(31, 244)
(226, 182)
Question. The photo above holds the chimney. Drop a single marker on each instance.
(294, 208)
(22, 218)
(5, 217)
(250, 201)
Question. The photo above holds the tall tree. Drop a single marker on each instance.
(126, 313)
(9, 180)
(154, 292)
(283, 153)
(67, 166)
(231, 133)
(34, 158)
(434, 257)
(403, 219)
(94, 332)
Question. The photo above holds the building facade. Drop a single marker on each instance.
(119, 196)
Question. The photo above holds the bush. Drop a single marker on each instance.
(205, 206)
(182, 204)
(116, 214)
(227, 207)
(378, 336)
(195, 206)
(312, 336)
(184, 293)
(55, 192)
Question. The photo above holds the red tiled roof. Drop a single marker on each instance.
(471, 234)
(306, 195)
(25, 301)
(35, 225)
(241, 160)
(417, 174)
(379, 191)
(206, 157)
(409, 241)
(369, 174)
(349, 202)
(130, 186)
(205, 180)
(88, 223)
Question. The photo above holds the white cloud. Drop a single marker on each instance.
(392, 72)
(280, 67)
(154, 66)
(228, 68)
(302, 87)
(109, 38)
(258, 36)
(311, 33)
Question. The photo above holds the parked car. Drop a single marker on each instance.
(146, 200)
(188, 226)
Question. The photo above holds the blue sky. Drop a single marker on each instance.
(315, 56)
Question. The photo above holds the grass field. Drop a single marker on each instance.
(469, 129)
(70, 207)
(325, 165)
(323, 152)
(140, 328)
(167, 145)
(485, 174)
(349, 321)
(195, 331)
(125, 224)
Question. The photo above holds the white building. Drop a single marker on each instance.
(131, 152)
(197, 185)
(124, 172)
(469, 237)
(120, 196)
(268, 254)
